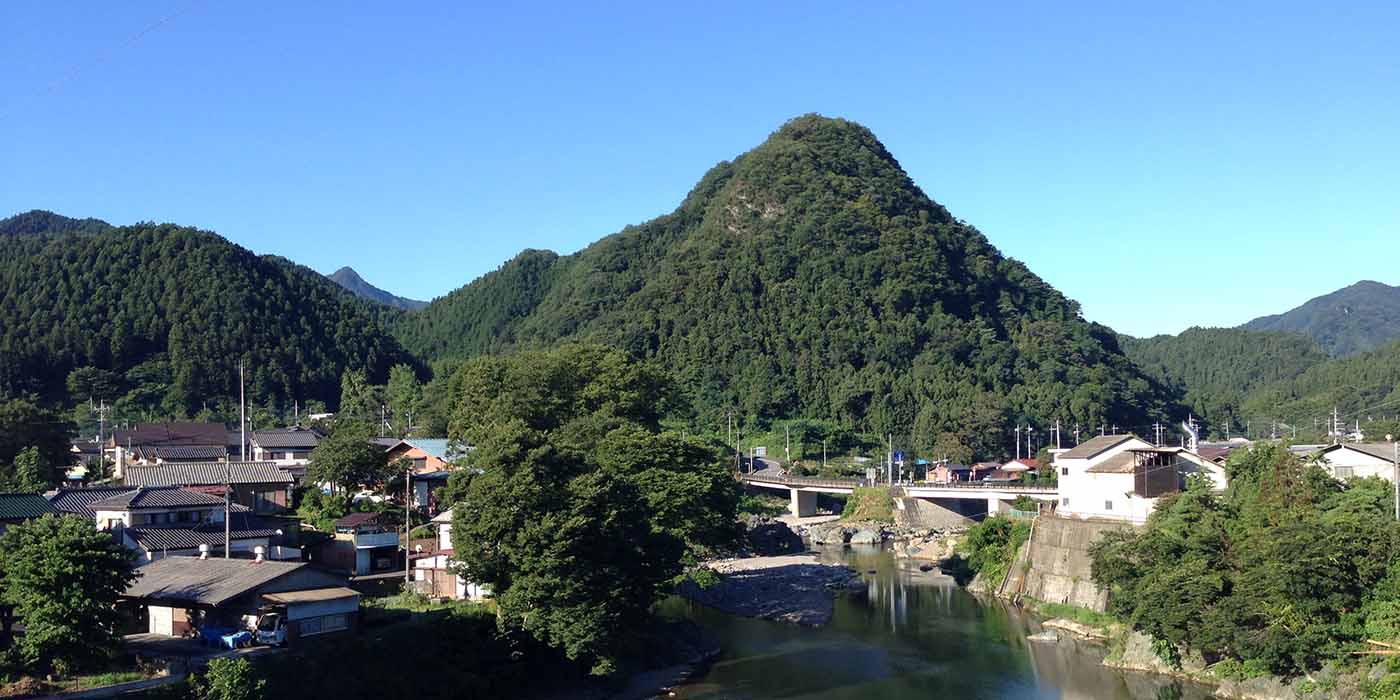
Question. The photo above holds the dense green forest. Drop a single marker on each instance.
(1362, 317)
(810, 277)
(39, 221)
(1217, 370)
(1363, 387)
(155, 318)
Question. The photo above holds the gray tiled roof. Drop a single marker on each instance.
(76, 501)
(157, 497)
(22, 506)
(206, 581)
(190, 453)
(157, 538)
(1094, 446)
(206, 474)
(286, 438)
(178, 433)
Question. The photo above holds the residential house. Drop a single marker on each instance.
(949, 472)
(364, 543)
(212, 596)
(16, 508)
(1351, 460)
(1120, 477)
(427, 454)
(263, 487)
(158, 443)
(435, 574)
(290, 448)
(164, 521)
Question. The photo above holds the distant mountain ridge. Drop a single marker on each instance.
(352, 281)
(1355, 319)
(41, 221)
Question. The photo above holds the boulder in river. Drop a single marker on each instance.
(866, 537)
(767, 537)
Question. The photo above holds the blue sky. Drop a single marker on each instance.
(1167, 167)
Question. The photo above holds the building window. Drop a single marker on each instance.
(1344, 471)
(1064, 471)
(1064, 501)
(323, 624)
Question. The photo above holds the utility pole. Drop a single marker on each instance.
(381, 420)
(823, 453)
(1336, 426)
(1057, 433)
(1018, 440)
(787, 443)
(1076, 433)
(890, 455)
(407, 523)
(228, 486)
(1030, 442)
(1157, 434)
(242, 430)
(1395, 475)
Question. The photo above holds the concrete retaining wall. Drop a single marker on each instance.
(1059, 569)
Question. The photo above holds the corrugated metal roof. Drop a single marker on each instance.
(205, 581)
(1094, 446)
(77, 501)
(23, 506)
(293, 438)
(206, 474)
(312, 596)
(191, 453)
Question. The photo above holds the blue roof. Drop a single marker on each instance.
(442, 448)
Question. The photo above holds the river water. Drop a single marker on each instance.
(912, 635)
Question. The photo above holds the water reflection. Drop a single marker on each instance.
(912, 635)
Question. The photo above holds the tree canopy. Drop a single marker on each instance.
(63, 578)
(1287, 568)
(584, 508)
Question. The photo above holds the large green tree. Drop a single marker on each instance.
(348, 460)
(63, 578)
(584, 509)
(24, 424)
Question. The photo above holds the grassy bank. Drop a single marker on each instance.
(869, 504)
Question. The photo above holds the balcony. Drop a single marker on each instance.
(371, 540)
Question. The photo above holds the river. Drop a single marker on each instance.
(912, 635)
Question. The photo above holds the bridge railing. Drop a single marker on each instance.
(853, 483)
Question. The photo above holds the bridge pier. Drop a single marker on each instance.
(996, 505)
(802, 503)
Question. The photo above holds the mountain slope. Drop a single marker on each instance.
(811, 277)
(39, 221)
(1361, 387)
(347, 278)
(1354, 319)
(162, 314)
(1216, 370)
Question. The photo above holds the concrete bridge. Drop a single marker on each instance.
(802, 491)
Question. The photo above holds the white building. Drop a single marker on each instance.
(1359, 459)
(1120, 477)
(435, 576)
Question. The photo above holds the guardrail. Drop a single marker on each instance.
(853, 483)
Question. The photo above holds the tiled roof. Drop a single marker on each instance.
(192, 453)
(157, 497)
(209, 581)
(76, 501)
(286, 438)
(154, 538)
(23, 506)
(1094, 446)
(206, 474)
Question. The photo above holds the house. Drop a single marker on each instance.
(285, 446)
(1350, 460)
(1020, 464)
(158, 443)
(364, 543)
(158, 522)
(435, 575)
(16, 508)
(1120, 477)
(425, 488)
(427, 454)
(263, 487)
(212, 596)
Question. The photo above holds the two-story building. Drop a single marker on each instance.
(159, 443)
(1120, 477)
(435, 575)
(364, 543)
(290, 448)
(263, 487)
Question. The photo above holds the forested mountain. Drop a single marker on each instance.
(1363, 387)
(1216, 370)
(39, 221)
(1355, 319)
(156, 318)
(811, 277)
(352, 282)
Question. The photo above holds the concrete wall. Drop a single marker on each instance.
(920, 513)
(1059, 565)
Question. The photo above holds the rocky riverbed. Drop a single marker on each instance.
(796, 588)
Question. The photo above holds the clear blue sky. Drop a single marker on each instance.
(1168, 167)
